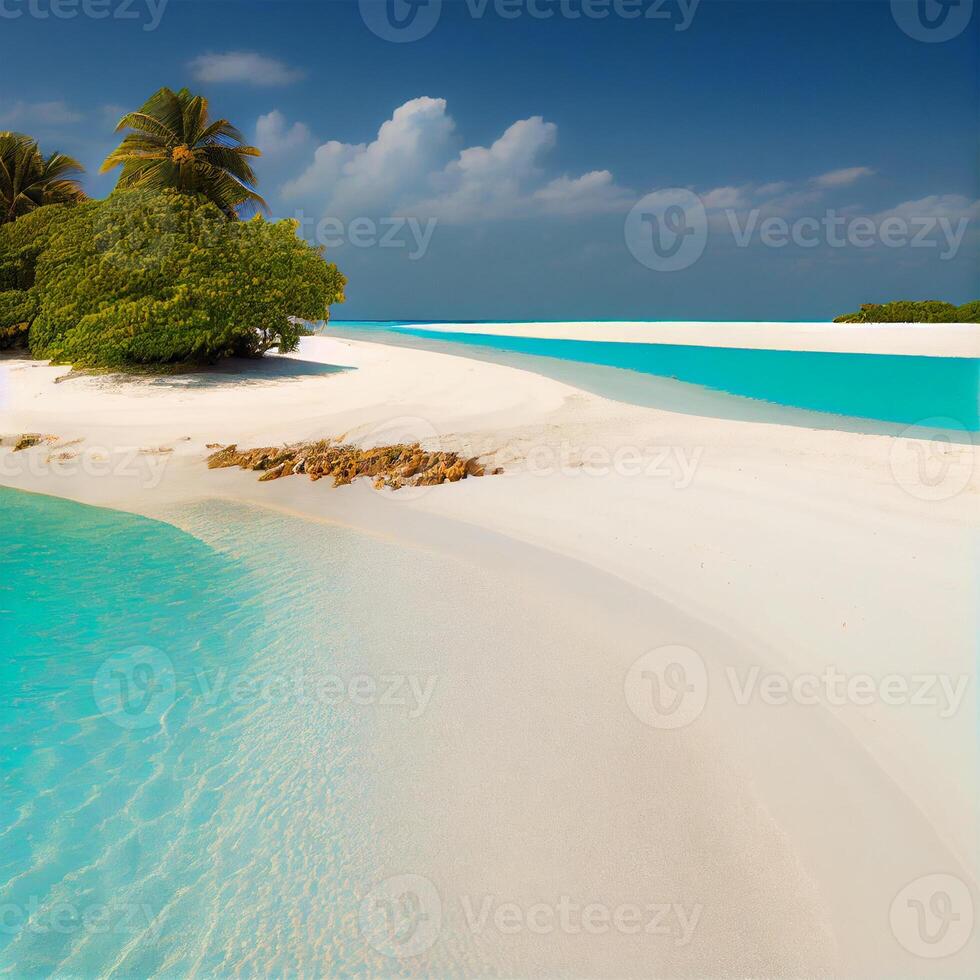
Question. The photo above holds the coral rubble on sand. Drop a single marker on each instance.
(389, 466)
(31, 439)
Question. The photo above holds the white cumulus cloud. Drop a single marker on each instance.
(411, 168)
(725, 197)
(843, 177)
(953, 207)
(591, 193)
(275, 137)
(245, 67)
(376, 177)
(487, 181)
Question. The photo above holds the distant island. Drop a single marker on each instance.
(909, 311)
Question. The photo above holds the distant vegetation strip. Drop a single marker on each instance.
(908, 311)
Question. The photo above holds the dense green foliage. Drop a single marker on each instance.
(21, 244)
(29, 180)
(909, 311)
(969, 312)
(163, 278)
(174, 144)
(161, 272)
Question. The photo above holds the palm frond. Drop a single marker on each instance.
(194, 117)
(29, 181)
(222, 133)
(167, 107)
(147, 124)
(61, 166)
(172, 143)
(230, 160)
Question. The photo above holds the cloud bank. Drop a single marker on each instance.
(412, 168)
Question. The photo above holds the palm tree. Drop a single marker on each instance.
(28, 180)
(174, 144)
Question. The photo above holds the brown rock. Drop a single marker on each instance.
(386, 466)
(30, 439)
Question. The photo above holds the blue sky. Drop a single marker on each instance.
(488, 170)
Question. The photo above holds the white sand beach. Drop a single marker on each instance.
(929, 339)
(825, 583)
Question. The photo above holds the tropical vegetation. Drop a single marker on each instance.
(30, 180)
(21, 244)
(909, 311)
(173, 143)
(145, 278)
(163, 271)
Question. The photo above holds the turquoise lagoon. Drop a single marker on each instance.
(188, 787)
(937, 392)
(230, 743)
(147, 801)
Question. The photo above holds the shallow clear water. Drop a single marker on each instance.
(189, 783)
(275, 747)
(148, 757)
(197, 782)
(932, 391)
(232, 749)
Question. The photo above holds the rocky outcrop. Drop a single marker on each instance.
(31, 439)
(387, 466)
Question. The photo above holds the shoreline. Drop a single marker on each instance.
(782, 548)
(911, 339)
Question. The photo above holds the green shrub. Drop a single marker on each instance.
(21, 243)
(164, 278)
(908, 311)
(18, 308)
(969, 312)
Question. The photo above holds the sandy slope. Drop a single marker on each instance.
(781, 551)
